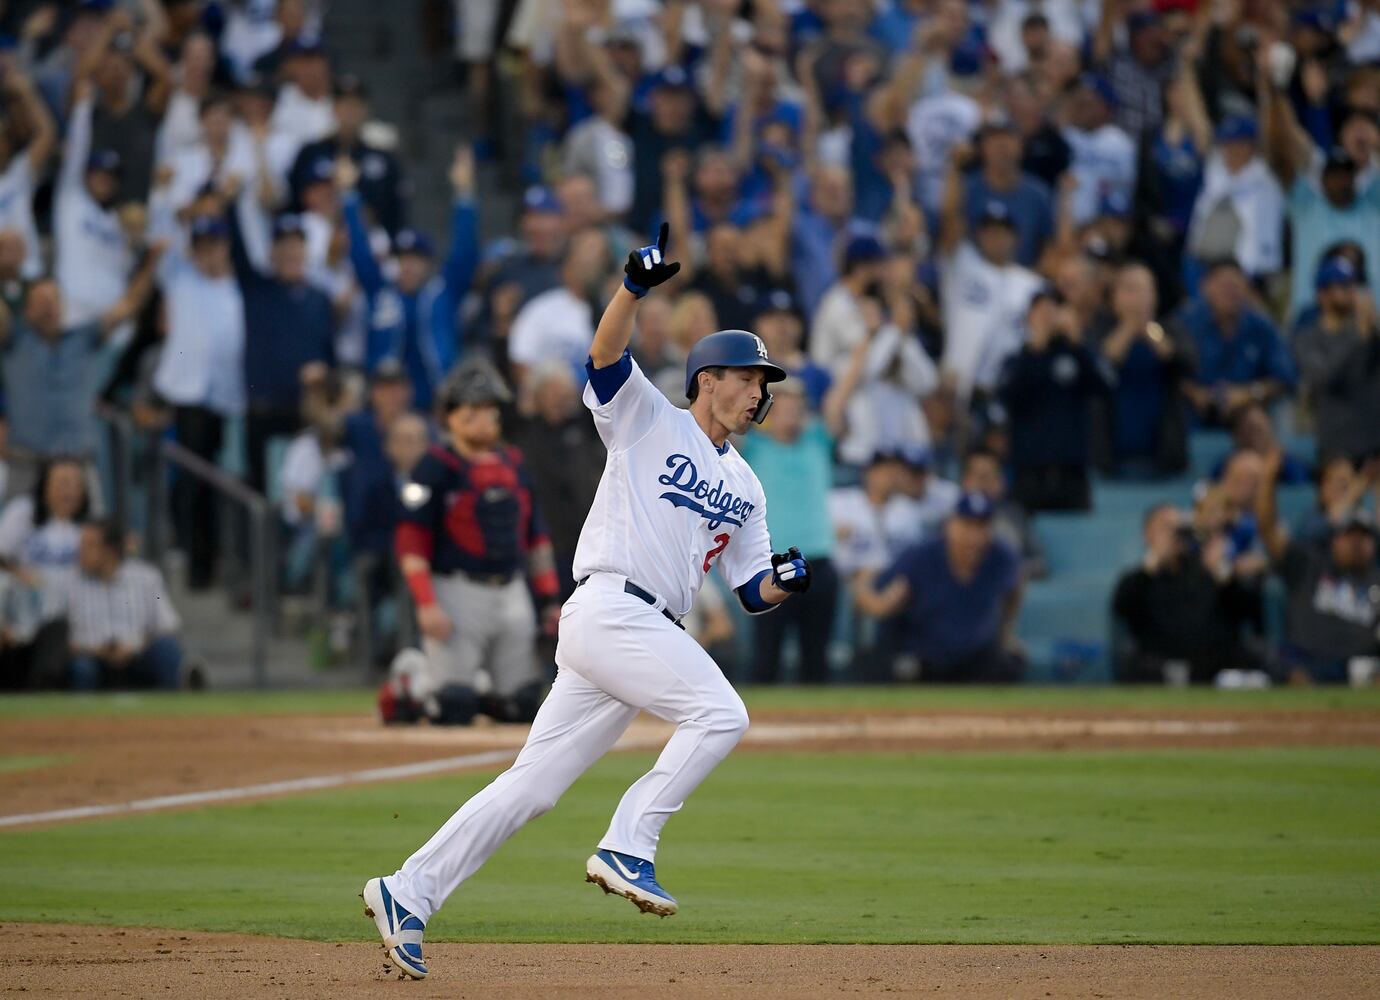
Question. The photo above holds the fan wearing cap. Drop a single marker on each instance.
(839, 324)
(1047, 388)
(1138, 71)
(1333, 589)
(675, 119)
(131, 81)
(1339, 362)
(201, 369)
(92, 258)
(381, 183)
(1239, 211)
(999, 178)
(1103, 155)
(983, 290)
(1241, 355)
(778, 322)
(956, 597)
(290, 330)
(304, 109)
(1332, 196)
(469, 544)
(412, 318)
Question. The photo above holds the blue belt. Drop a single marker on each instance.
(631, 588)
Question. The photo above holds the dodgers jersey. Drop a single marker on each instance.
(670, 506)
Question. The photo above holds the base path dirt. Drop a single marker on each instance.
(111, 761)
(59, 961)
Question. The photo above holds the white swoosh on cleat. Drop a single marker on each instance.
(623, 870)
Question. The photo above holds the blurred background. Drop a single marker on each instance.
(1076, 298)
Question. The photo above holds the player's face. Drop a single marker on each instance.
(475, 426)
(735, 397)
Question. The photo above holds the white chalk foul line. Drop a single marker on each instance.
(315, 783)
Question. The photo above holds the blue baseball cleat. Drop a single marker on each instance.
(401, 931)
(632, 878)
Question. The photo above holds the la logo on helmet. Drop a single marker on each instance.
(761, 347)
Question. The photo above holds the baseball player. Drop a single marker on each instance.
(469, 539)
(675, 501)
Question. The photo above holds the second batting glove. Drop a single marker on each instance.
(790, 571)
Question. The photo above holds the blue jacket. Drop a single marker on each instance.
(419, 330)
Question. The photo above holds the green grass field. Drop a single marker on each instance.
(1233, 846)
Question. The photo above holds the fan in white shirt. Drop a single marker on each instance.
(181, 126)
(1103, 156)
(983, 291)
(558, 325)
(19, 169)
(93, 257)
(306, 104)
(224, 150)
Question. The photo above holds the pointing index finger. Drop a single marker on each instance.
(661, 238)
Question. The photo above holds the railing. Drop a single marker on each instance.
(160, 453)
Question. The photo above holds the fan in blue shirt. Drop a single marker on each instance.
(1241, 356)
(413, 318)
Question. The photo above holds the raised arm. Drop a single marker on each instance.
(1288, 148)
(646, 268)
(889, 104)
(77, 148)
(44, 136)
(463, 257)
(137, 294)
(367, 270)
(952, 224)
(1267, 506)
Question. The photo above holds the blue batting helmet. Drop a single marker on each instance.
(732, 349)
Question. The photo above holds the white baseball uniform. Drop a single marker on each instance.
(669, 507)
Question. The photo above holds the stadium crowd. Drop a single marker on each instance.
(1006, 249)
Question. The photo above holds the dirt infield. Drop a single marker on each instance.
(118, 760)
(62, 961)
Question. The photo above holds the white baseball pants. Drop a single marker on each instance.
(616, 655)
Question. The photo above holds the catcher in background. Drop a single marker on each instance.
(469, 542)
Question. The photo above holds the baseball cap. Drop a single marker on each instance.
(916, 456)
(778, 300)
(1339, 159)
(883, 455)
(1115, 205)
(319, 171)
(1335, 270)
(672, 77)
(289, 224)
(105, 159)
(861, 249)
(209, 227)
(1142, 19)
(994, 125)
(308, 46)
(539, 198)
(995, 213)
(412, 241)
(388, 370)
(1045, 291)
(1237, 128)
(1099, 85)
(974, 505)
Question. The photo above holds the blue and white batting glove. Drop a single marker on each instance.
(647, 267)
(790, 571)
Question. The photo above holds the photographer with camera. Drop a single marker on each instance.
(1184, 603)
(1048, 388)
